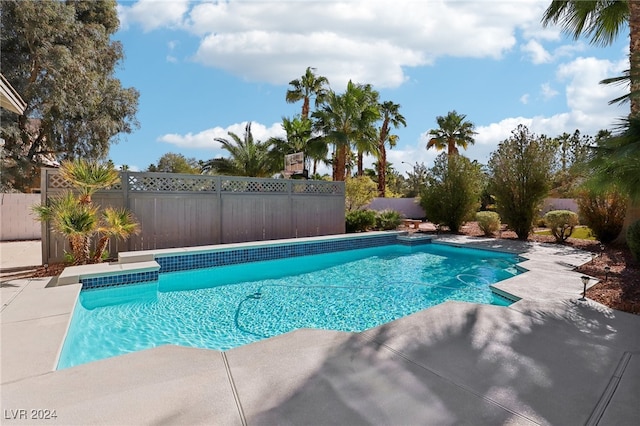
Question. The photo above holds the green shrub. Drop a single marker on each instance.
(360, 220)
(520, 171)
(388, 219)
(452, 195)
(358, 192)
(489, 222)
(633, 239)
(603, 212)
(561, 223)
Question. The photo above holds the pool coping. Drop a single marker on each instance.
(552, 290)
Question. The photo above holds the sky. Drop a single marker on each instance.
(206, 68)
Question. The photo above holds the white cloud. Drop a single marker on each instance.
(206, 139)
(586, 98)
(587, 101)
(537, 54)
(364, 41)
(524, 98)
(547, 91)
(584, 91)
(154, 14)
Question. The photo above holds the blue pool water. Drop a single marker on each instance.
(225, 307)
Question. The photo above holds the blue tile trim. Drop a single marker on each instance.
(118, 280)
(255, 254)
(413, 241)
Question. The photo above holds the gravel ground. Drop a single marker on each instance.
(618, 289)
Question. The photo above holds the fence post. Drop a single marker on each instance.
(44, 238)
(124, 184)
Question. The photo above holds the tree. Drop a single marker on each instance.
(298, 139)
(78, 219)
(366, 141)
(391, 117)
(520, 176)
(176, 163)
(416, 180)
(60, 57)
(453, 191)
(452, 131)
(358, 192)
(343, 120)
(601, 21)
(248, 157)
(306, 87)
(572, 151)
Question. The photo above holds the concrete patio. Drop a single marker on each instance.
(547, 359)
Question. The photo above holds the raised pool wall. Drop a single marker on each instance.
(144, 266)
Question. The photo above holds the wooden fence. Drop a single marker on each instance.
(178, 210)
(17, 221)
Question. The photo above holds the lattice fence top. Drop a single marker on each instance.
(269, 186)
(55, 181)
(169, 182)
(314, 187)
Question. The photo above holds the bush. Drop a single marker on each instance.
(388, 219)
(360, 220)
(603, 212)
(561, 223)
(453, 192)
(489, 222)
(358, 192)
(633, 239)
(520, 171)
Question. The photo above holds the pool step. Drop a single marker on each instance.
(109, 274)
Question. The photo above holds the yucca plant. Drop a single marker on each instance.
(87, 177)
(118, 223)
(68, 216)
(73, 214)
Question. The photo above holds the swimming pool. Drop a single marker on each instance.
(229, 306)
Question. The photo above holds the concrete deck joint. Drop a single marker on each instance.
(449, 380)
(609, 391)
(234, 390)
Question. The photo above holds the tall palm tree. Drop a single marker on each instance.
(452, 131)
(298, 139)
(344, 119)
(306, 87)
(248, 157)
(366, 141)
(601, 21)
(391, 117)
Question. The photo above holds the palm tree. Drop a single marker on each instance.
(453, 131)
(306, 87)
(343, 120)
(390, 117)
(116, 223)
(601, 21)
(367, 138)
(298, 139)
(89, 176)
(248, 157)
